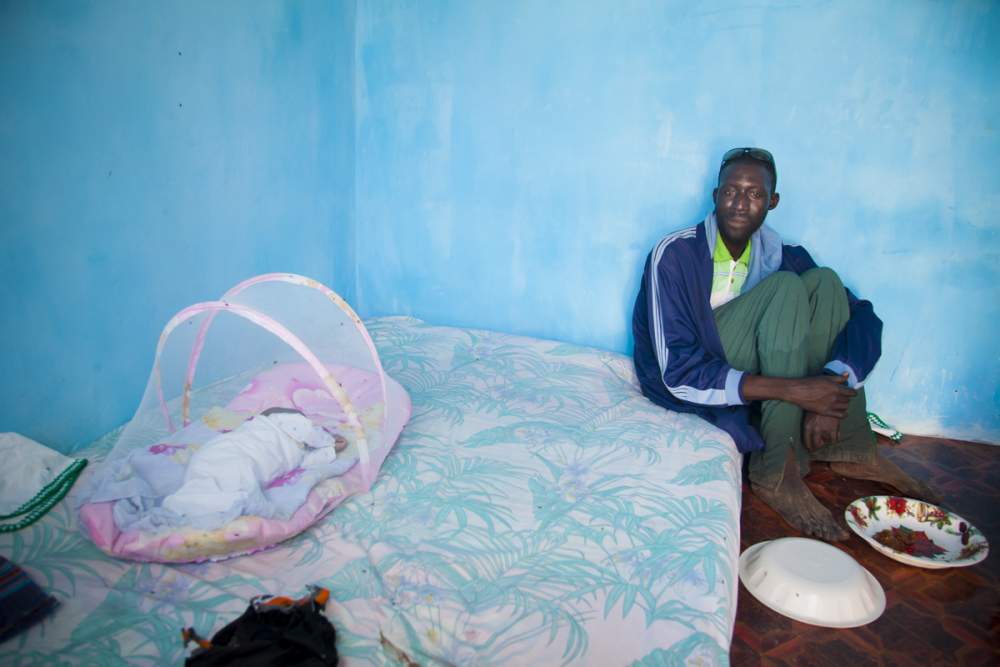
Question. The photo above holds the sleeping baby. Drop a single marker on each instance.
(228, 474)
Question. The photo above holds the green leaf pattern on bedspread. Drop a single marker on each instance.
(537, 510)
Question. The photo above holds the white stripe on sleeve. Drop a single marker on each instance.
(683, 392)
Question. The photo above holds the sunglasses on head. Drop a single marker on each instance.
(758, 154)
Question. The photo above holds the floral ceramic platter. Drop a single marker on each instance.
(915, 532)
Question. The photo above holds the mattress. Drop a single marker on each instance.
(537, 510)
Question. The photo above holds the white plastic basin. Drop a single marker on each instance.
(812, 582)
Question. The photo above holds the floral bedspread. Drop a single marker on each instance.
(537, 510)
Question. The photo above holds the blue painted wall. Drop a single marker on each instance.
(502, 165)
(516, 162)
(151, 156)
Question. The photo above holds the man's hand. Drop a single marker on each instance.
(825, 395)
(819, 431)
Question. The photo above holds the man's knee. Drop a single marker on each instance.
(787, 286)
(827, 293)
(822, 278)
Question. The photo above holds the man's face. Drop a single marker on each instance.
(742, 200)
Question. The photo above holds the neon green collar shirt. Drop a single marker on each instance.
(728, 274)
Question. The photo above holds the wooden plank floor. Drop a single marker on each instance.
(932, 617)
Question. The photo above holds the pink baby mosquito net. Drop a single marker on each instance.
(264, 411)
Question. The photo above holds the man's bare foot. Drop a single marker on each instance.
(885, 471)
(798, 506)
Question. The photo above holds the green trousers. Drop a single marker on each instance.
(785, 327)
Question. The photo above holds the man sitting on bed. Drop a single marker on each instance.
(727, 318)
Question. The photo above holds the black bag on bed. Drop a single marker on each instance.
(273, 631)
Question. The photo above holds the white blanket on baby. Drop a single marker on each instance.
(228, 473)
